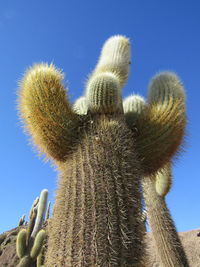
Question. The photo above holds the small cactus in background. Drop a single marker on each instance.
(156, 187)
(30, 241)
(101, 155)
(21, 221)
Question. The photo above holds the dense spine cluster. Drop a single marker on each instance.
(102, 148)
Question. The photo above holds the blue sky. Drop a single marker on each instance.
(164, 35)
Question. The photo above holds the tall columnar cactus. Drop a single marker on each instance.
(101, 157)
(156, 187)
(30, 241)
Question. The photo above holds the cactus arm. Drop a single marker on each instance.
(21, 248)
(161, 126)
(46, 112)
(37, 246)
(163, 180)
(103, 89)
(115, 58)
(21, 243)
(167, 241)
(31, 224)
(40, 257)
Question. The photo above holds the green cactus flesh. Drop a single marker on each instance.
(96, 216)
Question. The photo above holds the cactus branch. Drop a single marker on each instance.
(46, 112)
(115, 58)
(161, 126)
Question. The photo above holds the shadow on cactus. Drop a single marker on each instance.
(101, 155)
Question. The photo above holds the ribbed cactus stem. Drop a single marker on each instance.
(96, 218)
(163, 180)
(81, 106)
(115, 58)
(167, 241)
(21, 243)
(40, 213)
(37, 245)
(103, 93)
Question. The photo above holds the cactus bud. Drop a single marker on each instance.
(163, 181)
(80, 106)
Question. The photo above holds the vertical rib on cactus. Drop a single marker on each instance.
(168, 244)
(161, 126)
(103, 93)
(98, 200)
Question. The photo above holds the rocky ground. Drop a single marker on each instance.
(190, 240)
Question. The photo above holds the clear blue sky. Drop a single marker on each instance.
(164, 35)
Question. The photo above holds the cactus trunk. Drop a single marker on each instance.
(168, 244)
(96, 217)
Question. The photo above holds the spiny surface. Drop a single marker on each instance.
(96, 218)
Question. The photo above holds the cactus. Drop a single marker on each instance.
(103, 93)
(163, 180)
(42, 206)
(100, 157)
(80, 106)
(30, 241)
(28, 257)
(156, 187)
(21, 221)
